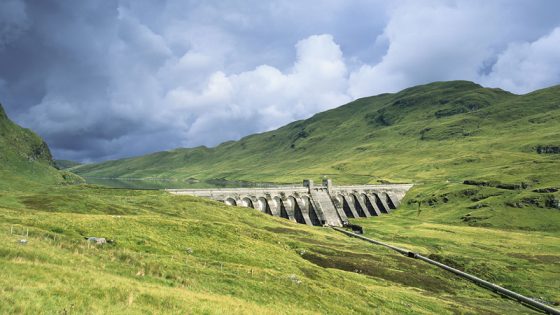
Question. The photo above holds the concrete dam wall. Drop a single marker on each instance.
(309, 204)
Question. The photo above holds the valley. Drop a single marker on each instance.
(485, 198)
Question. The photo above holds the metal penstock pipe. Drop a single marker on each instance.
(483, 283)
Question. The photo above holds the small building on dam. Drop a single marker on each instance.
(311, 204)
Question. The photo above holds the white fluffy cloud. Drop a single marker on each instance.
(265, 97)
(527, 66)
(118, 78)
(443, 40)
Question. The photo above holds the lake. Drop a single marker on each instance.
(133, 183)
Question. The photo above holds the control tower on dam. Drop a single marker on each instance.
(311, 204)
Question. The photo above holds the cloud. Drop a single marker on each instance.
(13, 21)
(110, 79)
(527, 66)
(265, 97)
(441, 40)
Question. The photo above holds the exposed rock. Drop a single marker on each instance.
(381, 118)
(496, 184)
(512, 186)
(472, 219)
(548, 149)
(476, 182)
(449, 112)
(461, 105)
(552, 202)
(546, 190)
(99, 240)
(407, 102)
(478, 206)
(294, 279)
(539, 202)
(469, 192)
(423, 133)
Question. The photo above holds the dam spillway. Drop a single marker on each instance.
(311, 204)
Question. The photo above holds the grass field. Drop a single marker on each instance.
(176, 254)
(485, 200)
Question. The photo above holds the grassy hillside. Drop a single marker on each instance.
(64, 164)
(180, 254)
(437, 136)
(485, 165)
(439, 131)
(25, 159)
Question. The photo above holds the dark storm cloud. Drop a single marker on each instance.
(108, 79)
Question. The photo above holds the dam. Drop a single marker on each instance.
(311, 204)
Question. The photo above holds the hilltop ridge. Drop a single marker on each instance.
(460, 115)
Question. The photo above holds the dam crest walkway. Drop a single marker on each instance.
(309, 204)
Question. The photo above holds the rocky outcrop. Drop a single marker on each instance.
(548, 149)
(496, 184)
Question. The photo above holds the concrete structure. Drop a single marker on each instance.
(309, 204)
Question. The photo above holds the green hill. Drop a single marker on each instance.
(64, 164)
(439, 131)
(484, 162)
(439, 136)
(25, 159)
(180, 254)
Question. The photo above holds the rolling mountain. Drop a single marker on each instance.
(445, 137)
(438, 131)
(484, 163)
(64, 164)
(25, 159)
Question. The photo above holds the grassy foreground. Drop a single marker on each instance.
(178, 254)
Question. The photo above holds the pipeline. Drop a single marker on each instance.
(483, 283)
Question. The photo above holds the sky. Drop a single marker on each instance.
(107, 79)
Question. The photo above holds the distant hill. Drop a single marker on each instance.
(65, 164)
(25, 158)
(480, 153)
(426, 132)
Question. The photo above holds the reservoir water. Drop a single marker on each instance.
(133, 183)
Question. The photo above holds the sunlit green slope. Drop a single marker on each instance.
(437, 136)
(444, 130)
(25, 159)
(485, 164)
(64, 164)
(183, 255)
